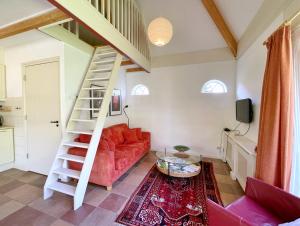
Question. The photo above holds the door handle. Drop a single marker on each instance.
(55, 122)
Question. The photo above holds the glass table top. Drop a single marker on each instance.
(176, 157)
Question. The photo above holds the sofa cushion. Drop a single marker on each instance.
(117, 133)
(122, 159)
(253, 213)
(138, 133)
(130, 136)
(106, 133)
(84, 138)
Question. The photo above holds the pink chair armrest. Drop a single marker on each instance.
(218, 216)
(285, 205)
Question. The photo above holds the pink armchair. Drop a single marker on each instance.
(262, 204)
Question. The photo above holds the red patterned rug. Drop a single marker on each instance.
(164, 200)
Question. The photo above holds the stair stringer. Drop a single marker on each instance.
(91, 153)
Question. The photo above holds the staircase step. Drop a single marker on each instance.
(73, 158)
(94, 88)
(63, 188)
(97, 79)
(100, 70)
(90, 98)
(105, 48)
(86, 109)
(82, 120)
(105, 53)
(76, 144)
(90, 132)
(67, 172)
(104, 61)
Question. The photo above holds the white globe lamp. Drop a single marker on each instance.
(160, 31)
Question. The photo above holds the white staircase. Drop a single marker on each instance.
(102, 74)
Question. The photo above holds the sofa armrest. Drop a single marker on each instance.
(218, 216)
(106, 145)
(147, 137)
(105, 163)
(285, 205)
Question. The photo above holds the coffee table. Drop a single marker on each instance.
(177, 164)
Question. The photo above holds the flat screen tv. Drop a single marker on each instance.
(244, 112)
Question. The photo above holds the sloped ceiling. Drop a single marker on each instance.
(194, 30)
(12, 11)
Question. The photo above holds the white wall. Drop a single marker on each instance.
(121, 84)
(75, 65)
(250, 72)
(176, 112)
(18, 55)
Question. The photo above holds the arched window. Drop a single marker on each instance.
(214, 86)
(140, 90)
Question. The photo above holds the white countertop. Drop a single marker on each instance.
(247, 144)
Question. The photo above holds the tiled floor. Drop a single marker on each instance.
(21, 200)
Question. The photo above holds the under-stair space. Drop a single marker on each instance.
(94, 96)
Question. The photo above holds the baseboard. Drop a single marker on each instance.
(6, 166)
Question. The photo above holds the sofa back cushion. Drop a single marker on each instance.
(84, 138)
(130, 136)
(117, 133)
(138, 133)
(113, 135)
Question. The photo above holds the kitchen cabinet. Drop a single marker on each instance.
(7, 154)
(2, 83)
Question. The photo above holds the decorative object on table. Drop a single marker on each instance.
(153, 201)
(116, 103)
(126, 106)
(181, 149)
(95, 103)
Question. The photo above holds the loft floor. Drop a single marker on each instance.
(21, 201)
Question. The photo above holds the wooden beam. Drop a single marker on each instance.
(136, 69)
(221, 24)
(33, 23)
(127, 62)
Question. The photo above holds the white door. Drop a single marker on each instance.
(42, 100)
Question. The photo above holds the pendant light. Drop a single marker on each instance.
(160, 31)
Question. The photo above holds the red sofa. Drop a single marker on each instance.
(119, 149)
(262, 205)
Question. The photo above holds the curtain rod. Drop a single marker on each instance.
(292, 18)
(289, 21)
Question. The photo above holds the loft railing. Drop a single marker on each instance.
(124, 16)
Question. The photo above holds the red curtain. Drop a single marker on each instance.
(274, 148)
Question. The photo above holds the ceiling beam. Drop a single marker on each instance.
(136, 69)
(44, 19)
(221, 24)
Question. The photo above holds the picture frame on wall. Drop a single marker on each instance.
(95, 104)
(115, 107)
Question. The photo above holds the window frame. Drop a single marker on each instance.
(139, 86)
(219, 82)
